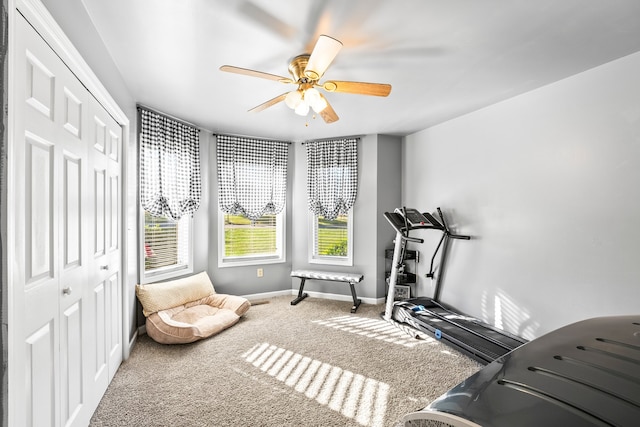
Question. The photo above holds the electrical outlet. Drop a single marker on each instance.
(260, 272)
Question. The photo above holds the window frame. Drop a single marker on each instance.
(168, 272)
(314, 258)
(243, 261)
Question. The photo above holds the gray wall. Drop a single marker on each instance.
(378, 190)
(547, 185)
(389, 186)
(244, 280)
(4, 339)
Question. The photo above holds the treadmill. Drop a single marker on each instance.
(475, 338)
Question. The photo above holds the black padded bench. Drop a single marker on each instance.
(349, 278)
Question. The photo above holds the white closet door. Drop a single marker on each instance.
(65, 323)
(71, 258)
(105, 140)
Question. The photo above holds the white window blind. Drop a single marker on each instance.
(251, 242)
(166, 244)
(331, 240)
(246, 238)
(331, 236)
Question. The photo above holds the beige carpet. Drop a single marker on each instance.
(313, 364)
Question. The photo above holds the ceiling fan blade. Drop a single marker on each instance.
(269, 103)
(267, 20)
(254, 73)
(323, 53)
(328, 114)
(359, 88)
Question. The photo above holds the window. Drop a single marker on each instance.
(167, 247)
(331, 240)
(170, 192)
(249, 242)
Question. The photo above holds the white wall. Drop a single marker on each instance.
(547, 184)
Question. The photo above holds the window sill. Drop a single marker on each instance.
(165, 274)
(243, 262)
(332, 261)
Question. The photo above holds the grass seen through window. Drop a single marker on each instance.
(242, 237)
(332, 236)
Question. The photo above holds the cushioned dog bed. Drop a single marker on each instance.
(188, 309)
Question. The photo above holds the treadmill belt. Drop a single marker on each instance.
(477, 339)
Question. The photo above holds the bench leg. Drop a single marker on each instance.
(301, 294)
(356, 301)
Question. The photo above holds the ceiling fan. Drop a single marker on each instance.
(306, 71)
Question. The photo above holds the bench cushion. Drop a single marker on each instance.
(327, 275)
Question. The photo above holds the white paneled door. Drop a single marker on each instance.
(65, 323)
(104, 244)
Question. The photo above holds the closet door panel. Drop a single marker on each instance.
(72, 212)
(41, 402)
(114, 208)
(71, 364)
(98, 365)
(73, 111)
(100, 334)
(114, 341)
(99, 223)
(40, 83)
(39, 184)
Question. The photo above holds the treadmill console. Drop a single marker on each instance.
(414, 217)
(405, 219)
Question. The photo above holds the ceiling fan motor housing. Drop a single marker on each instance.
(297, 67)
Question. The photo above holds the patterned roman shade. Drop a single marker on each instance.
(252, 175)
(332, 176)
(170, 183)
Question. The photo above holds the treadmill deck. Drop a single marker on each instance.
(476, 339)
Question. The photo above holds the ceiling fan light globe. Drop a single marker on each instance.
(311, 96)
(302, 109)
(293, 99)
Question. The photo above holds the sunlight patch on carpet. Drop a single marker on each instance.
(374, 328)
(348, 393)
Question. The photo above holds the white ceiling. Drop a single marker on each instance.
(443, 58)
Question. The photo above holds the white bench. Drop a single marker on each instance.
(350, 278)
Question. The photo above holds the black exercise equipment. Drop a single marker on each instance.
(471, 336)
(585, 374)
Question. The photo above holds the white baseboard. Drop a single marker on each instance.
(132, 343)
(254, 297)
